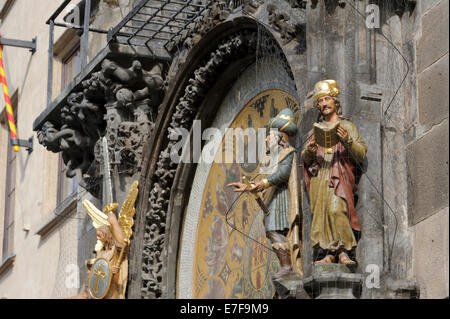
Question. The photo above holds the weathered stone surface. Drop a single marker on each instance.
(433, 93)
(334, 285)
(327, 268)
(398, 242)
(431, 255)
(434, 41)
(288, 287)
(428, 173)
(393, 288)
(428, 4)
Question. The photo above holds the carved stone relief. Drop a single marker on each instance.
(280, 23)
(154, 235)
(116, 102)
(217, 13)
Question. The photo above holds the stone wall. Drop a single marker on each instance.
(427, 154)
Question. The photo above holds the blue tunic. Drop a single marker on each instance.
(278, 219)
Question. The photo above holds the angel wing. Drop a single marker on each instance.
(99, 219)
(127, 212)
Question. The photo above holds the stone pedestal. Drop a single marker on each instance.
(290, 287)
(333, 281)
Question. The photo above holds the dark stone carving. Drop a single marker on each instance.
(236, 46)
(280, 23)
(217, 13)
(398, 7)
(251, 6)
(247, 5)
(212, 16)
(298, 4)
(116, 102)
(330, 5)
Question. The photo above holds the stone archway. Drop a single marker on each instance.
(222, 54)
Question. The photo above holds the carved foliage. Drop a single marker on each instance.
(154, 236)
(217, 13)
(117, 102)
(280, 22)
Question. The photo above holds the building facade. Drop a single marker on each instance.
(147, 72)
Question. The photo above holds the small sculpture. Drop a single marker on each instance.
(108, 272)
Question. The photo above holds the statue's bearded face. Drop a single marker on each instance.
(271, 140)
(326, 105)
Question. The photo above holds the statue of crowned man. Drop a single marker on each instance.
(330, 175)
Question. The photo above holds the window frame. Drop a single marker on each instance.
(64, 182)
(10, 189)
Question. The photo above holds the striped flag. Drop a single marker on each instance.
(9, 111)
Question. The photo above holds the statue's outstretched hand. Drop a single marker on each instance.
(238, 187)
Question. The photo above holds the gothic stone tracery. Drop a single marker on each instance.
(235, 46)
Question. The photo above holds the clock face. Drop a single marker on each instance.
(232, 256)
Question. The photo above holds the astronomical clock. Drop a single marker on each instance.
(224, 249)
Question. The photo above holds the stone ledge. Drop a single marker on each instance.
(334, 268)
(289, 287)
(61, 213)
(403, 289)
(334, 285)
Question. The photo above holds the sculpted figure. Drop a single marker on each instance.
(281, 196)
(330, 179)
(108, 272)
(110, 241)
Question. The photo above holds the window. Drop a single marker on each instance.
(70, 68)
(10, 192)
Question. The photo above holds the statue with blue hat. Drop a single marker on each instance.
(280, 189)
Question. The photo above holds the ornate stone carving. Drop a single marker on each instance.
(185, 111)
(298, 4)
(217, 13)
(251, 6)
(280, 23)
(212, 16)
(118, 102)
(330, 5)
(398, 7)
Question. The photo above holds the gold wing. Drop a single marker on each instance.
(127, 212)
(99, 219)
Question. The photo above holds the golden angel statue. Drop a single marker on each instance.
(108, 272)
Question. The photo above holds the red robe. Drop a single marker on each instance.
(342, 176)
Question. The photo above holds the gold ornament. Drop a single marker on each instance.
(326, 87)
(99, 218)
